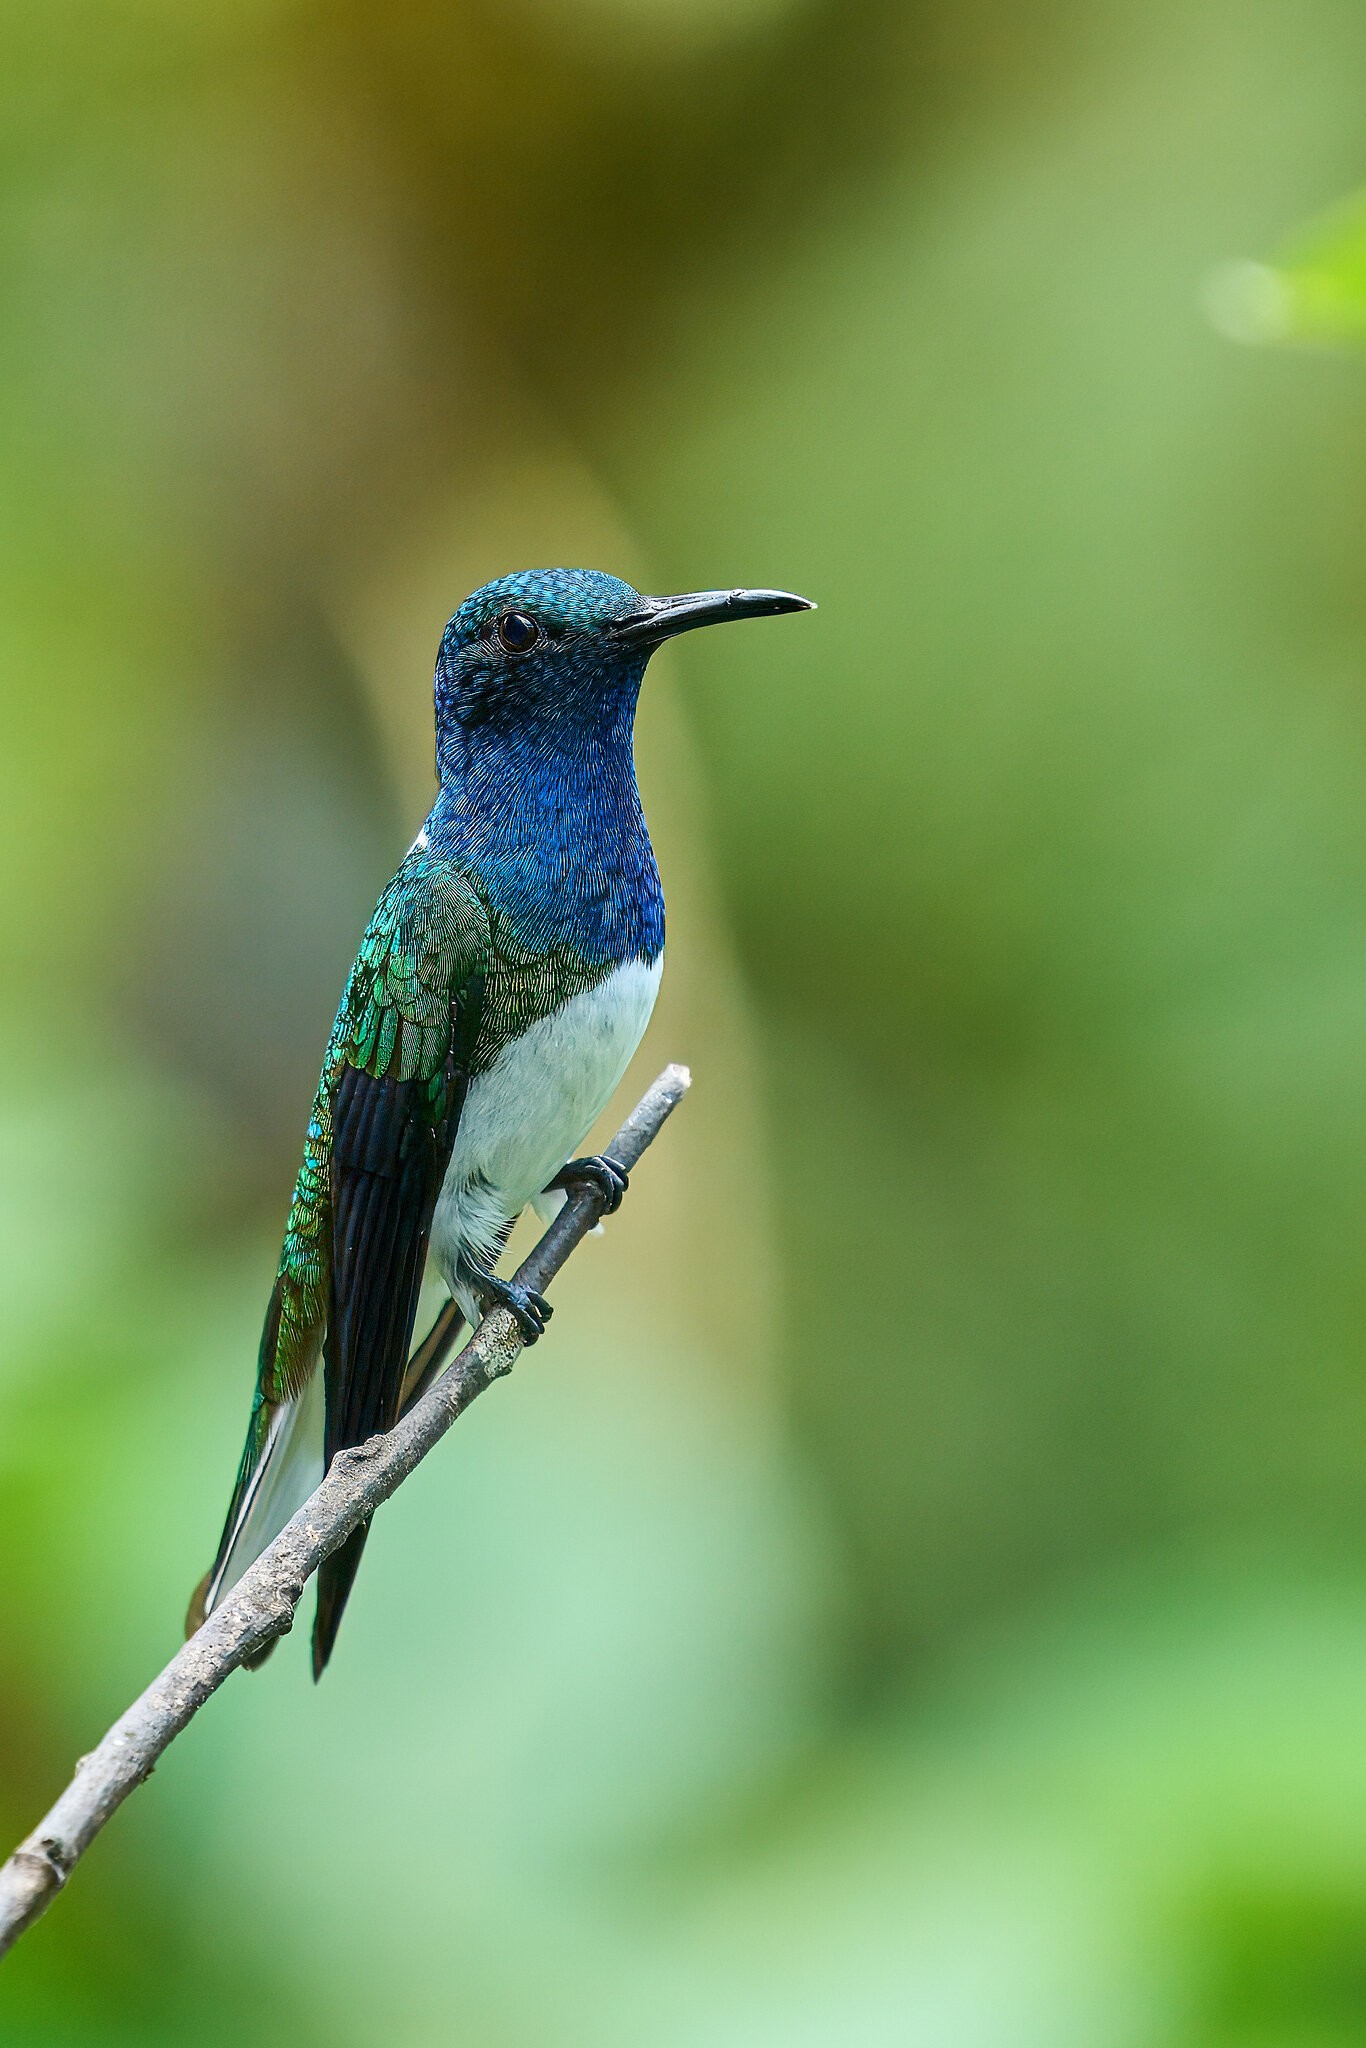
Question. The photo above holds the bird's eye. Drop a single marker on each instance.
(517, 632)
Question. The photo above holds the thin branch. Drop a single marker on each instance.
(261, 1605)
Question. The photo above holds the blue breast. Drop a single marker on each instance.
(550, 823)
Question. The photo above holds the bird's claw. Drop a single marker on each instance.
(530, 1310)
(602, 1173)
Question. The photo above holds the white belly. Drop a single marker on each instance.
(532, 1110)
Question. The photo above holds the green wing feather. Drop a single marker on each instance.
(423, 956)
(410, 1014)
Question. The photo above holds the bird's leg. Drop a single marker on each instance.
(601, 1172)
(531, 1310)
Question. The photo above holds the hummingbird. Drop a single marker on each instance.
(501, 986)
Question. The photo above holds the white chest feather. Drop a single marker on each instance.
(535, 1105)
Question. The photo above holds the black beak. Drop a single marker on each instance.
(661, 617)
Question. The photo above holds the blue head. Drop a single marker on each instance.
(560, 653)
(536, 686)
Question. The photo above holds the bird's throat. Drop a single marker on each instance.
(550, 822)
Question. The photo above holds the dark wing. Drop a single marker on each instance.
(383, 1124)
(402, 1047)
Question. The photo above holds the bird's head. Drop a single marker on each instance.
(566, 648)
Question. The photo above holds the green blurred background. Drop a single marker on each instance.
(917, 1599)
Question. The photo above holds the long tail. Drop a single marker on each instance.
(281, 1465)
(336, 1573)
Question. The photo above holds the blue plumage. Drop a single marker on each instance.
(538, 782)
(500, 989)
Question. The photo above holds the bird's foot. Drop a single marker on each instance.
(531, 1310)
(606, 1175)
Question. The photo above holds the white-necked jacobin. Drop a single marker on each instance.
(500, 989)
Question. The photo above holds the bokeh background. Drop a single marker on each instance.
(917, 1598)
